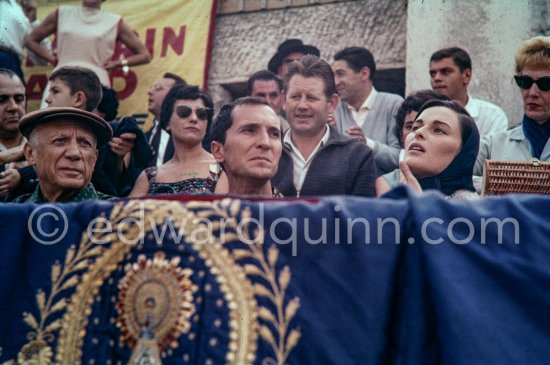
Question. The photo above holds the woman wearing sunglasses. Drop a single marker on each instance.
(529, 140)
(186, 113)
(440, 152)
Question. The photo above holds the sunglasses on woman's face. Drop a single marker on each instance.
(525, 82)
(183, 111)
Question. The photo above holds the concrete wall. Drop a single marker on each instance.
(244, 43)
(489, 30)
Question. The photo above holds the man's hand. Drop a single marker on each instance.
(357, 132)
(11, 155)
(9, 180)
(123, 144)
(331, 120)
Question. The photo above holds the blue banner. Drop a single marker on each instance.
(408, 279)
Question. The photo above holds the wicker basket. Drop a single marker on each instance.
(507, 177)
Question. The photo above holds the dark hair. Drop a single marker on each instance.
(460, 57)
(465, 121)
(312, 66)
(177, 80)
(263, 75)
(357, 58)
(81, 79)
(224, 119)
(413, 103)
(108, 104)
(8, 72)
(183, 92)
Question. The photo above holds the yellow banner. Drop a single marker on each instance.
(177, 33)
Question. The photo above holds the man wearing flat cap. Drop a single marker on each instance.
(63, 147)
(289, 51)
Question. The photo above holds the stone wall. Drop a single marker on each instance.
(489, 30)
(244, 43)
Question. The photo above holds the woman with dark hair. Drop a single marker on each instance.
(407, 112)
(186, 113)
(440, 151)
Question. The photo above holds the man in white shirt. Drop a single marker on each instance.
(450, 74)
(316, 159)
(365, 113)
(158, 138)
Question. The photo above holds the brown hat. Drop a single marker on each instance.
(101, 128)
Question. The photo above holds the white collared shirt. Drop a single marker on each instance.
(361, 114)
(301, 165)
(489, 118)
(164, 138)
(163, 143)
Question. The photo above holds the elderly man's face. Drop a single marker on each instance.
(64, 154)
(252, 147)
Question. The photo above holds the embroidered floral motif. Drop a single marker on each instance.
(155, 295)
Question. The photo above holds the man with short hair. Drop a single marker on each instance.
(12, 108)
(365, 113)
(291, 50)
(317, 159)
(450, 74)
(159, 139)
(246, 141)
(63, 147)
(268, 86)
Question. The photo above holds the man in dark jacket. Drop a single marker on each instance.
(316, 159)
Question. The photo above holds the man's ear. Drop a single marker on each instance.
(217, 151)
(28, 152)
(333, 103)
(283, 95)
(467, 76)
(365, 73)
(80, 100)
(96, 154)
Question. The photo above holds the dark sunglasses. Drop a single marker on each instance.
(183, 111)
(525, 82)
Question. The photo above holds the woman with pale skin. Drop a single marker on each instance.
(81, 29)
(440, 151)
(531, 139)
(187, 115)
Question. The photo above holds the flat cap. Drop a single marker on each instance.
(101, 128)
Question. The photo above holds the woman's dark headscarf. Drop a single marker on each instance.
(458, 175)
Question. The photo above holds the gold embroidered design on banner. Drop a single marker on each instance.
(276, 330)
(242, 329)
(231, 268)
(63, 277)
(156, 298)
